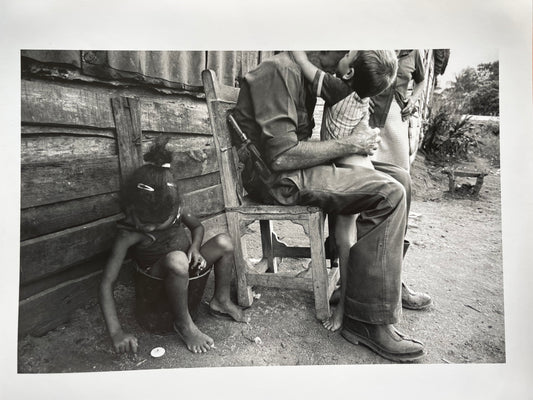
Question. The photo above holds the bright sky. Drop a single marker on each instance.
(460, 58)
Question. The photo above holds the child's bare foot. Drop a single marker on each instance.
(228, 308)
(334, 323)
(195, 340)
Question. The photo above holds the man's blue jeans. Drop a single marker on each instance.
(381, 197)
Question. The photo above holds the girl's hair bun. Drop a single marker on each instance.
(158, 153)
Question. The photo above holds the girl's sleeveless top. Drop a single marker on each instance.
(161, 242)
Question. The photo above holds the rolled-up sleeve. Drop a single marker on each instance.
(275, 90)
(330, 88)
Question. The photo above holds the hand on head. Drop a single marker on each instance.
(326, 60)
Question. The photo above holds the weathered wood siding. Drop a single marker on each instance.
(86, 119)
(82, 113)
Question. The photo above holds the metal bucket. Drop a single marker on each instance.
(152, 307)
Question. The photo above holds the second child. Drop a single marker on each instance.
(359, 76)
(154, 231)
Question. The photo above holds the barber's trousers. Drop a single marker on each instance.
(381, 197)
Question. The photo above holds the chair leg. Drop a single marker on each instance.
(318, 265)
(244, 291)
(266, 244)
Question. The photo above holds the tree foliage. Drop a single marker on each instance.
(476, 90)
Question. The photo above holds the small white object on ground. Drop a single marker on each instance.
(157, 352)
(258, 340)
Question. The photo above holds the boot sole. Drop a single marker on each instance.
(356, 339)
(416, 308)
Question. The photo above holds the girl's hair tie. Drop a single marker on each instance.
(142, 186)
(165, 165)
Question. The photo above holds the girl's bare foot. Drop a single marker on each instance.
(195, 340)
(230, 309)
(334, 323)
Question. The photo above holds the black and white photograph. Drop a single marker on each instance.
(307, 216)
(95, 120)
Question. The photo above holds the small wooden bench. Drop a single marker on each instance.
(453, 175)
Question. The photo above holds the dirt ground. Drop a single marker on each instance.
(456, 256)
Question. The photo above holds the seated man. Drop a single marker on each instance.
(275, 109)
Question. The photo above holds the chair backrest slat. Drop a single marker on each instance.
(221, 100)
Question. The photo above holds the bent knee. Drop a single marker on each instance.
(224, 242)
(403, 177)
(394, 192)
(177, 263)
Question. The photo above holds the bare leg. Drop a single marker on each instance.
(345, 238)
(219, 251)
(174, 269)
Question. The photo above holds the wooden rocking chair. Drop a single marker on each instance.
(221, 100)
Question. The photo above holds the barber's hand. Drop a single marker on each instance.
(364, 139)
(408, 109)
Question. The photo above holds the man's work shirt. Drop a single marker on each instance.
(275, 111)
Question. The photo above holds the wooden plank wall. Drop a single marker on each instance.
(71, 167)
(84, 125)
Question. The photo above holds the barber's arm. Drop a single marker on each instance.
(418, 76)
(417, 90)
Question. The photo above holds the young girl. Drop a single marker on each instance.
(154, 230)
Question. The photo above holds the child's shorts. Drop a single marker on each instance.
(152, 307)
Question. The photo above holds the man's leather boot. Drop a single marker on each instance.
(384, 340)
